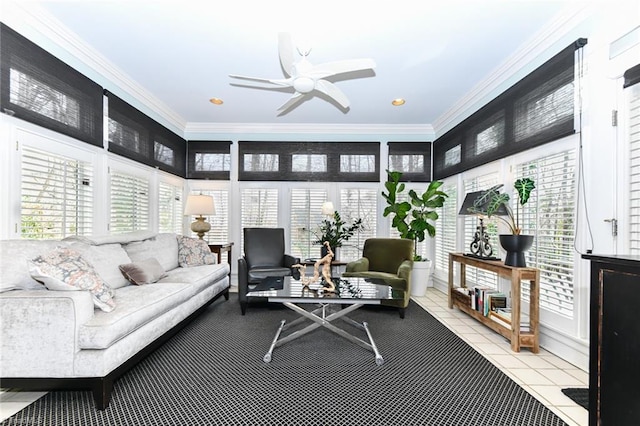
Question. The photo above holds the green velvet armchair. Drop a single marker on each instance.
(390, 259)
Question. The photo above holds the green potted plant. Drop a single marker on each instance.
(492, 202)
(336, 231)
(414, 219)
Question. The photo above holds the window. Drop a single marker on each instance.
(446, 229)
(219, 233)
(129, 203)
(634, 172)
(453, 156)
(309, 161)
(209, 160)
(135, 135)
(39, 88)
(170, 208)
(412, 159)
(312, 163)
(28, 92)
(549, 216)
(259, 208)
(163, 153)
(306, 215)
(261, 163)
(358, 203)
(125, 136)
(536, 110)
(212, 162)
(57, 196)
(480, 276)
(357, 163)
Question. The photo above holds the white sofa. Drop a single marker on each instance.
(59, 339)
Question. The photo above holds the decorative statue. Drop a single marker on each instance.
(328, 285)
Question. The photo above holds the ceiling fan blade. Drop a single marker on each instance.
(340, 67)
(277, 82)
(285, 50)
(297, 97)
(333, 92)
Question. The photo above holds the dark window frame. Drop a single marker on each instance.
(206, 147)
(285, 150)
(555, 73)
(413, 148)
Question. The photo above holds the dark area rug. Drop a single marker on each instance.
(579, 395)
(212, 373)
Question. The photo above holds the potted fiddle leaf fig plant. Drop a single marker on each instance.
(414, 219)
(492, 202)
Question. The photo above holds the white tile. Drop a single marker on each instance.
(530, 377)
(507, 361)
(578, 414)
(561, 378)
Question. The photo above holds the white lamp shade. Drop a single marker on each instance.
(327, 208)
(199, 205)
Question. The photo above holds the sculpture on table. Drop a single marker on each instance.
(328, 285)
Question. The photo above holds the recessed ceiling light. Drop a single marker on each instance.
(216, 101)
(397, 102)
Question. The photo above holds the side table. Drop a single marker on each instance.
(223, 248)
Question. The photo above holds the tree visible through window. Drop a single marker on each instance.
(57, 196)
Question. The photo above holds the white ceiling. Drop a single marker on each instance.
(429, 52)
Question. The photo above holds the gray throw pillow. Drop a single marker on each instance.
(144, 272)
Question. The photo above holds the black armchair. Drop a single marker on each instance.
(264, 256)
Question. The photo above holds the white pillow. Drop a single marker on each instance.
(66, 269)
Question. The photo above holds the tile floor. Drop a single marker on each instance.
(542, 375)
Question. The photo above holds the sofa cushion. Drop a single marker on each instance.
(194, 252)
(105, 259)
(137, 306)
(143, 272)
(65, 269)
(198, 276)
(163, 247)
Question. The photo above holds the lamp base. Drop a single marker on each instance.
(480, 246)
(200, 226)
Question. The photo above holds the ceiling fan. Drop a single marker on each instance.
(305, 78)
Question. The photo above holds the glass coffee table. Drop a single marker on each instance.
(351, 294)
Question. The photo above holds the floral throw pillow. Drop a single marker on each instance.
(66, 269)
(194, 252)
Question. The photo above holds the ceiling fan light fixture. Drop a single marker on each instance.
(216, 101)
(397, 102)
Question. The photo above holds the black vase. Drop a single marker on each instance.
(324, 251)
(516, 245)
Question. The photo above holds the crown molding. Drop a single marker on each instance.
(34, 22)
(528, 53)
(305, 128)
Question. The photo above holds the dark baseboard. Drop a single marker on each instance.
(103, 386)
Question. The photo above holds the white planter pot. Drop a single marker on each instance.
(421, 277)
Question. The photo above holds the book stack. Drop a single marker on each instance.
(503, 317)
(487, 299)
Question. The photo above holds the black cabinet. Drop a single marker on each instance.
(614, 346)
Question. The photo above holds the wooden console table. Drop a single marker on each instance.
(517, 338)
(222, 248)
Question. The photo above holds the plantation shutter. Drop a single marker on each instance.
(170, 208)
(446, 229)
(634, 172)
(480, 276)
(549, 217)
(57, 196)
(259, 208)
(129, 203)
(358, 203)
(306, 215)
(219, 233)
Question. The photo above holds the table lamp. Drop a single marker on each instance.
(199, 205)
